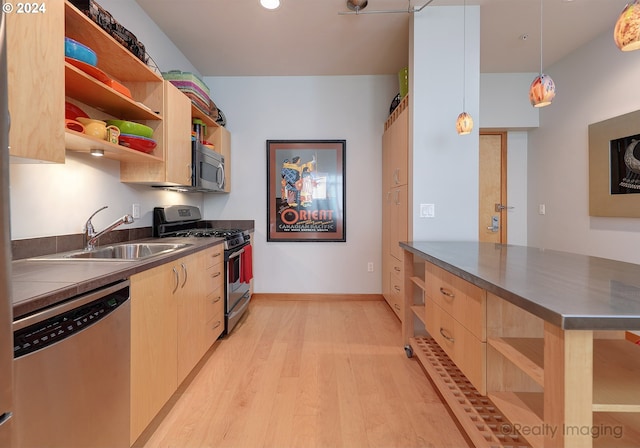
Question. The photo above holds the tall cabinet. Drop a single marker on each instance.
(395, 208)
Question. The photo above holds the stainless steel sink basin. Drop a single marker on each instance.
(118, 252)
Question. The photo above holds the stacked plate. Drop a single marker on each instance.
(134, 135)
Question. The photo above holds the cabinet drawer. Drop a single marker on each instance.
(214, 330)
(397, 293)
(215, 255)
(465, 350)
(396, 267)
(461, 299)
(215, 277)
(214, 304)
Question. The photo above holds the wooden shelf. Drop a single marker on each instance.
(86, 89)
(522, 409)
(616, 430)
(616, 375)
(209, 121)
(418, 310)
(79, 142)
(526, 353)
(419, 282)
(110, 52)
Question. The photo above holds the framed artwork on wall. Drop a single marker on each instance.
(306, 190)
(614, 167)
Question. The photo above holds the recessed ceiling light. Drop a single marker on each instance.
(97, 152)
(270, 4)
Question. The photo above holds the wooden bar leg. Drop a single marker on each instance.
(408, 326)
(568, 387)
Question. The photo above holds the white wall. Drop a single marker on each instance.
(593, 84)
(352, 108)
(49, 200)
(504, 101)
(445, 165)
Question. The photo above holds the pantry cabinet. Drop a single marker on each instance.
(395, 207)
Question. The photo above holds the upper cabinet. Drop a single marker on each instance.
(41, 80)
(35, 61)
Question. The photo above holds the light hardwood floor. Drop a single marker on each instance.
(307, 374)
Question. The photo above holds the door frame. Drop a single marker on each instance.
(503, 178)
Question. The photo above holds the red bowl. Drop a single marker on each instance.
(71, 111)
(142, 144)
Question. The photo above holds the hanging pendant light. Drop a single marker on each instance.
(542, 89)
(627, 31)
(464, 123)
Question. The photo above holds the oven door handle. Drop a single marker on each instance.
(240, 306)
(234, 254)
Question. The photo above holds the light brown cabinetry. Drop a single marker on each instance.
(36, 79)
(40, 80)
(395, 208)
(513, 378)
(154, 344)
(171, 328)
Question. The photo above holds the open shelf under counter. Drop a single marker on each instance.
(419, 282)
(111, 53)
(419, 311)
(616, 376)
(524, 412)
(79, 142)
(86, 89)
(526, 353)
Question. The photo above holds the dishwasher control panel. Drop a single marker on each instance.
(51, 330)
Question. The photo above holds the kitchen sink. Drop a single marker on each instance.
(118, 252)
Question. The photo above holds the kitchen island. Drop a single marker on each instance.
(527, 345)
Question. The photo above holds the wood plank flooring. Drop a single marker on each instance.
(307, 374)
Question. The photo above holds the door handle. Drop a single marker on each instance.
(495, 224)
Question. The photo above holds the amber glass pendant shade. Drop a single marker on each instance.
(627, 31)
(542, 91)
(464, 124)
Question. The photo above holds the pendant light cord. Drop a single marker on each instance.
(464, 55)
(540, 37)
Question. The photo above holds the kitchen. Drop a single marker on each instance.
(52, 199)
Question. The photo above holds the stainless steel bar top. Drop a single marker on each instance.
(572, 291)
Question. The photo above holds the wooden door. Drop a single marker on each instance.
(492, 218)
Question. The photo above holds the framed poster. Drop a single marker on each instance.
(614, 167)
(306, 190)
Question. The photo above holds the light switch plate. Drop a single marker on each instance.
(427, 210)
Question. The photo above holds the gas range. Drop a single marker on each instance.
(186, 221)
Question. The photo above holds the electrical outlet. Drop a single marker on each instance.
(135, 211)
(370, 266)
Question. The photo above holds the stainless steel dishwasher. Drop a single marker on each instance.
(72, 365)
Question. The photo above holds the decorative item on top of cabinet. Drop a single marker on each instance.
(395, 207)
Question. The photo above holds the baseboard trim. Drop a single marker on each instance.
(632, 337)
(317, 297)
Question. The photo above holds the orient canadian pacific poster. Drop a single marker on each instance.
(305, 190)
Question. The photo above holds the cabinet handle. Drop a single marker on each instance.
(184, 269)
(396, 176)
(216, 325)
(448, 338)
(217, 274)
(447, 293)
(217, 299)
(177, 277)
(396, 268)
(217, 254)
(396, 306)
(397, 288)
(397, 201)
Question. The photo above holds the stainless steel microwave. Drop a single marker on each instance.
(207, 172)
(208, 169)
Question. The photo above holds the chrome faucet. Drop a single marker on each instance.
(90, 235)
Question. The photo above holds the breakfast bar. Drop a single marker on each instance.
(528, 346)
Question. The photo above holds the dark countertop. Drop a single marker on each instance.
(572, 291)
(38, 284)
